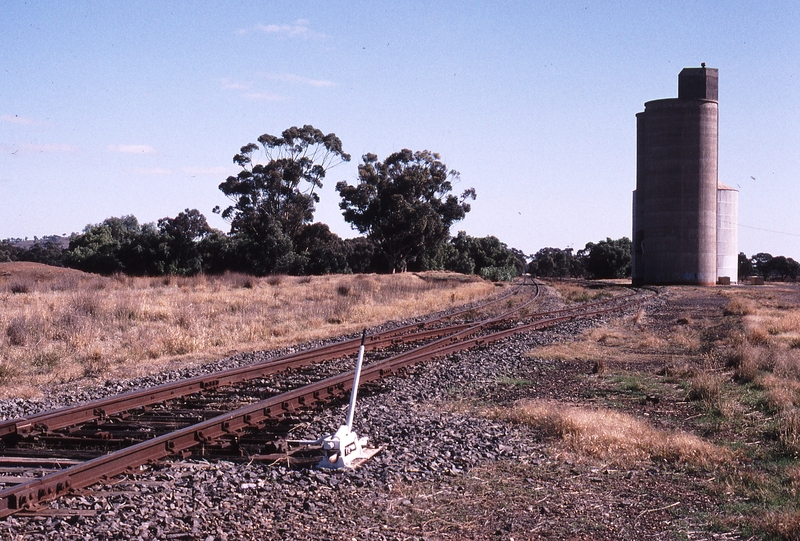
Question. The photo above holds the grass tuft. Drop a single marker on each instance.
(611, 435)
(21, 287)
(237, 280)
(738, 307)
(17, 331)
(781, 393)
(7, 372)
(789, 431)
(783, 524)
(677, 371)
(706, 387)
(747, 361)
(343, 290)
(46, 360)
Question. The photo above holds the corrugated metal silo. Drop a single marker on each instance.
(727, 232)
(675, 220)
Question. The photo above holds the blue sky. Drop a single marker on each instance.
(111, 108)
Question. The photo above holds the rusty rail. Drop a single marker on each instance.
(99, 409)
(49, 487)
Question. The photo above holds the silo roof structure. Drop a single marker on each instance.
(675, 202)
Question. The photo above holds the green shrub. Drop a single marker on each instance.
(498, 274)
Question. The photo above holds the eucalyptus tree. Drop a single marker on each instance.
(607, 258)
(272, 199)
(403, 204)
(180, 238)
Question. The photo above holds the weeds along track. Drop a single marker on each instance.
(247, 411)
(99, 409)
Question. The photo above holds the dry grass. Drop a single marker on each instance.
(738, 306)
(789, 431)
(70, 325)
(577, 291)
(625, 341)
(706, 387)
(728, 370)
(612, 435)
(766, 354)
(630, 340)
(767, 319)
(782, 393)
(784, 524)
(750, 362)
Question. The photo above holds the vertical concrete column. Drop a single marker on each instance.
(728, 233)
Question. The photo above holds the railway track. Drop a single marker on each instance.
(104, 438)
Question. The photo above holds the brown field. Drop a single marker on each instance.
(61, 325)
(680, 421)
(613, 436)
(709, 382)
(688, 410)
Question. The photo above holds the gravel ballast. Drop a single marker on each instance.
(431, 451)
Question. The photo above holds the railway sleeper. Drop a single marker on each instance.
(254, 418)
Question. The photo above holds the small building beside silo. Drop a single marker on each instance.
(676, 228)
(727, 234)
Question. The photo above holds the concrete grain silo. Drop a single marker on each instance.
(675, 202)
(727, 233)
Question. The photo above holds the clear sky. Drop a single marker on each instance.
(113, 108)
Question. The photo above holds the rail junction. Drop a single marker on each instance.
(247, 411)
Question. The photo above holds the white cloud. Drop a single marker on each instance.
(219, 170)
(228, 84)
(21, 120)
(299, 29)
(263, 96)
(152, 171)
(298, 79)
(256, 95)
(132, 149)
(53, 147)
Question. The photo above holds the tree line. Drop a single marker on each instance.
(778, 268)
(403, 206)
(185, 245)
(612, 259)
(604, 259)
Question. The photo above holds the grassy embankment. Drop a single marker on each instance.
(735, 367)
(704, 390)
(60, 325)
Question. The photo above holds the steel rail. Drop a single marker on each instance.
(23, 496)
(53, 485)
(98, 409)
(101, 408)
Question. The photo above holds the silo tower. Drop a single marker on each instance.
(675, 202)
(727, 233)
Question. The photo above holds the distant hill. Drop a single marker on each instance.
(36, 272)
(63, 240)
